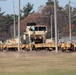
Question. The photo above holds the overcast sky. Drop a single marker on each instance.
(7, 6)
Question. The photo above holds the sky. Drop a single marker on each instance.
(7, 5)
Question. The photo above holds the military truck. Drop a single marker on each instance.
(35, 37)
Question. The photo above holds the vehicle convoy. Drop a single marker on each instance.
(34, 38)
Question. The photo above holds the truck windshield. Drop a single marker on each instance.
(42, 28)
(38, 29)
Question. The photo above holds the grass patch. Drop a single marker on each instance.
(61, 64)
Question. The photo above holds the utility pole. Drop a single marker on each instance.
(18, 25)
(70, 36)
(51, 27)
(30, 42)
(14, 20)
(55, 20)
